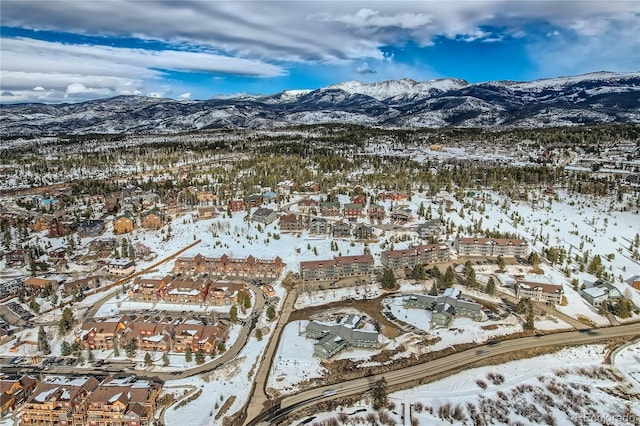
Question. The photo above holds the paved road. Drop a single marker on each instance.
(442, 365)
(257, 396)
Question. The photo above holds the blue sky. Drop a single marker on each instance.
(69, 51)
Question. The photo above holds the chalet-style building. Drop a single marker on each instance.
(121, 267)
(601, 292)
(58, 227)
(400, 215)
(254, 200)
(185, 290)
(341, 229)
(330, 209)
(337, 268)
(333, 339)
(363, 231)
(70, 288)
(90, 228)
(59, 400)
(431, 228)
(148, 289)
(123, 224)
(36, 285)
(225, 266)
(492, 247)
(207, 212)
(126, 401)
(446, 305)
(14, 391)
(538, 288)
(417, 255)
(292, 222)
(308, 206)
(152, 220)
(318, 225)
(236, 205)
(264, 215)
(353, 211)
(376, 212)
(17, 258)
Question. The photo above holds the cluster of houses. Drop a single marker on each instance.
(445, 306)
(158, 334)
(334, 338)
(80, 400)
(187, 290)
(229, 267)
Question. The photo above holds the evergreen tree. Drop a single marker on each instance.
(491, 286)
(388, 279)
(271, 313)
(380, 394)
(130, 348)
(199, 357)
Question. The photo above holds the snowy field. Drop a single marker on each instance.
(572, 386)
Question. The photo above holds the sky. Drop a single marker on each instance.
(56, 51)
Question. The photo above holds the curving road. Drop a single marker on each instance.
(311, 397)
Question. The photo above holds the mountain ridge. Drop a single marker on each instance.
(602, 97)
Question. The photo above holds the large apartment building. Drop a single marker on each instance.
(336, 268)
(492, 247)
(416, 255)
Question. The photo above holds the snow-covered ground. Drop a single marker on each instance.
(569, 386)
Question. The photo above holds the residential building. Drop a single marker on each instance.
(152, 220)
(376, 212)
(58, 227)
(207, 212)
(538, 288)
(330, 209)
(17, 258)
(90, 228)
(492, 247)
(431, 228)
(333, 339)
(225, 266)
(445, 306)
(318, 225)
(254, 200)
(400, 215)
(601, 292)
(35, 285)
(59, 401)
(416, 255)
(121, 267)
(336, 268)
(342, 229)
(363, 231)
(292, 222)
(236, 205)
(14, 391)
(123, 224)
(83, 284)
(308, 206)
(264, 215)
(353, 211)
(127, 401)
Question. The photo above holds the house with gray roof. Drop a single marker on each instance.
(334, 338)
(445, 306)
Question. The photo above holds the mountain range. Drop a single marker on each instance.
(594, 98)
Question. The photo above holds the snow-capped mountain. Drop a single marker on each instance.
(586, 99)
